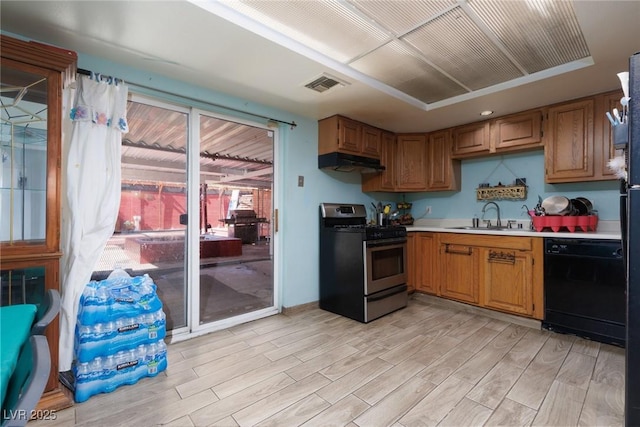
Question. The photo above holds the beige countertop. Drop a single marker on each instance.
(605, 229)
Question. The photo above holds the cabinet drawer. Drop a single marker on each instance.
(484, 240)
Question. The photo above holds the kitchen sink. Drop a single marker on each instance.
(494, 228)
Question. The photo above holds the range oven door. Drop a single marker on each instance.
(385, 264)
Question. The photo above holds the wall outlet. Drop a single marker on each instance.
(428, 210)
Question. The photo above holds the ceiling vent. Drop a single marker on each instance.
(324, 83)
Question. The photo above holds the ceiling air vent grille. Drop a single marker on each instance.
(324, 83)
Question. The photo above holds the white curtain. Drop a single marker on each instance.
(91, 191)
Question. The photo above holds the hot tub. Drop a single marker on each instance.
(150, 249)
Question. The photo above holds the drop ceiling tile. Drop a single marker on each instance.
(430, 49)
(539, 34)
(455, 44)
(397, 66)
(332, 28)
(401, 16)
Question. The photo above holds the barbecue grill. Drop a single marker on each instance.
(243, 224)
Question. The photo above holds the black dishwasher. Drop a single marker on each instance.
(585, 289)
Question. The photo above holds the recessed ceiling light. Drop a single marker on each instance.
(486, 113)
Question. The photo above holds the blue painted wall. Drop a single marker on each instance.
(604, 195)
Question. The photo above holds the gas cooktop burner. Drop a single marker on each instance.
(335, 218)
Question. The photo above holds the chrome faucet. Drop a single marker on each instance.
(498, 223)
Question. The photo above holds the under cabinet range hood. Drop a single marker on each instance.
(349, 163)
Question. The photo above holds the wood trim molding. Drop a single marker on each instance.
(39, 54)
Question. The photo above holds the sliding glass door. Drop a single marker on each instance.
(235, 203)
(196, 215)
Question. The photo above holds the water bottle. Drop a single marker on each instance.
(141, 353)
(152, 349)
(110, 362)
(82, 371)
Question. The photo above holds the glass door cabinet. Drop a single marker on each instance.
(32, 76)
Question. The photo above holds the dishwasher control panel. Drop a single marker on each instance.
(583, 247)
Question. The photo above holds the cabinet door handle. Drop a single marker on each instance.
(451, 250)
(504, 257)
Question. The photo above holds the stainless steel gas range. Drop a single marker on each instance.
(363, 269)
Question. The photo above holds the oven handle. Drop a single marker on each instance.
(386, 242)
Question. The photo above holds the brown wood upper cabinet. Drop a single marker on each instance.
(341, 134)
(415, 162)
(471, 140)
(386, 180)
(388, 160)
(517, 132)
(569, 142)
(371, 141)
(411, 162)
(579, 141)
(444, 172)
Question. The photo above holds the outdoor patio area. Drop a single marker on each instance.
(238, 282)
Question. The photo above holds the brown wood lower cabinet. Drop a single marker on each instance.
(497, 272)
(506, 280)
(426, 275)
(459, 265)
(411, 261)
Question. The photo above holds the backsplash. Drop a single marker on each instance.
(463, 204)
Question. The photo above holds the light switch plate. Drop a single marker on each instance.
(300, 181)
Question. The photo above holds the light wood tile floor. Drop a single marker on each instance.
(427, 364)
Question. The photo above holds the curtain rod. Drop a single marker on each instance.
(292, 123)
(98, 76)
